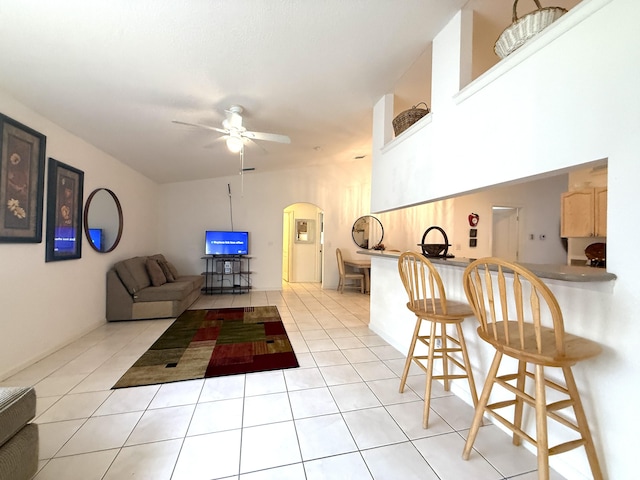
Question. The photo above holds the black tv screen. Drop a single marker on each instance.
(226, 243)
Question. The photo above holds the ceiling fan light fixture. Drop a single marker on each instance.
(234, 143)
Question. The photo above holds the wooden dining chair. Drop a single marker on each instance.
(344, 276)
(520, 317)
(428, 301)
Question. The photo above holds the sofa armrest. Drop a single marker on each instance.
(119, 300)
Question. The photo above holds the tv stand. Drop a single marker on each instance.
(226, 274)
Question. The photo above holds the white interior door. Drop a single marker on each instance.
(286, 245)
(505, 233)
(320, 243)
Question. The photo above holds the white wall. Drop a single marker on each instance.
(189, 208)
(539, 201)
(44, 306)
(547, 110)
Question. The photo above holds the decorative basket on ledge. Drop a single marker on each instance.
(407, 118)
(524, 28)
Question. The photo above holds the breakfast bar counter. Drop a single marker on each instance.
(566, 273)
(585, 296)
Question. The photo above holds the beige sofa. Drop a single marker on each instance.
(149, 287)
(18, 437)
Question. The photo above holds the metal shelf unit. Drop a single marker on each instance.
(226, 274)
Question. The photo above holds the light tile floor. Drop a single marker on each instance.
(339, 416)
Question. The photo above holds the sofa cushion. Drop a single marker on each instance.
(133, 274)
(167, 292)
(155, 272)
(196, 281)
(17, 408)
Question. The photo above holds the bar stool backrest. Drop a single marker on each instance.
(423, 284)
(511, 303)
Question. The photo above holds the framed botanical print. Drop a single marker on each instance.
(21, 182)
(64, 212)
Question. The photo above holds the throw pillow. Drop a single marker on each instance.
(173, 270)
(155, 273)
(158, 257)
(167, 272)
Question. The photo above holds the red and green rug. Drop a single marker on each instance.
(212, 343)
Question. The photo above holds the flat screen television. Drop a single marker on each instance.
(226, 243)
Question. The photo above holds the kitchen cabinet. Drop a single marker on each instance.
(584, 213)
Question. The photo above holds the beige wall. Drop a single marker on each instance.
(190, 208)
(44, 306)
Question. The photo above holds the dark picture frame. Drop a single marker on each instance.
(64, 212)
(22, 152)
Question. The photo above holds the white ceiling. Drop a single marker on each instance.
(117, 72)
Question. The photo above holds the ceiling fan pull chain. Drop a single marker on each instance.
(242, 171)
(230, 206)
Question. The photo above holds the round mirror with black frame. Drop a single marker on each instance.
(103, 220)
(367, 232)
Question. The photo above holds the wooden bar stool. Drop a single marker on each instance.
(427, 300)
(510, 312)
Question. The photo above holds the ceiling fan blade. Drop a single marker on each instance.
(226, 132)
(255, 144)
(217, 143)
(269, 137)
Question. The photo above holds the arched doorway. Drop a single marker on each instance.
(302, 243)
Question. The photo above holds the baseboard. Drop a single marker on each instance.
(35, 359)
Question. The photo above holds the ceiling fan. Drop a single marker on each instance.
(236, 132)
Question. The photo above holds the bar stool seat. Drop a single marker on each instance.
(428, 301)
(513, 319)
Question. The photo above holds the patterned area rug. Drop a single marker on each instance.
(212, 343)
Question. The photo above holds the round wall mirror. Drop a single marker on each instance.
(367, 232)
(103, 220)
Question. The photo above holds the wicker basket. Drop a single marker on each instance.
(526, 27)
(407, 118)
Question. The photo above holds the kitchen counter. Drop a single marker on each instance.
(566, 273)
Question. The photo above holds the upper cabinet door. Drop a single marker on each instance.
(577, 213)
(601, 212)
(584, 213)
